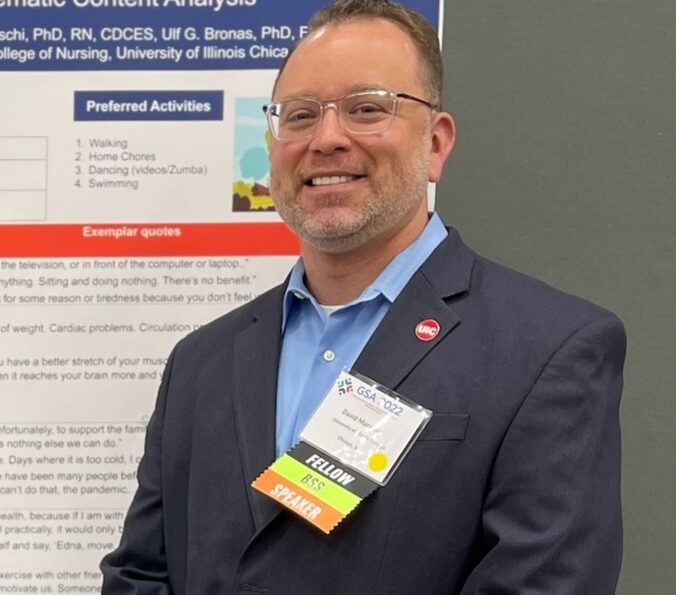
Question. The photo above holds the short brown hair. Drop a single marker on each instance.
(414, 24)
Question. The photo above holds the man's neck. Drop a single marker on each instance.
(335, 279)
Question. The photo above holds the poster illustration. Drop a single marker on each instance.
(251, 189)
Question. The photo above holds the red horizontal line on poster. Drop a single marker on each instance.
(146, 239)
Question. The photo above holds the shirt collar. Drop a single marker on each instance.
(391, 280)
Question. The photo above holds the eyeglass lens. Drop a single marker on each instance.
(360, 113)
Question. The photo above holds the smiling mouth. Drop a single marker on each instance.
(331, 180)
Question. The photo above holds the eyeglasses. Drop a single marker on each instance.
(364, 112)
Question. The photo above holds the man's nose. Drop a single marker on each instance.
(330, 135)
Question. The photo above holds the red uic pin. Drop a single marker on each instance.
(427, 329)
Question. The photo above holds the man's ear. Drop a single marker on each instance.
(443, 139)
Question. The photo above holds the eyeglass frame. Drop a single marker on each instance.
(335, 103)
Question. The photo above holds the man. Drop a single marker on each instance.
(513, 486)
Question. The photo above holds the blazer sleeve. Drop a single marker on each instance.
(139, 563)
(552, 516)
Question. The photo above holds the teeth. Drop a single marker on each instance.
(327, 180)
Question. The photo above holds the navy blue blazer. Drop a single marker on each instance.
(513, 487)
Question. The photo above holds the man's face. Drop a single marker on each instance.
(341, 191)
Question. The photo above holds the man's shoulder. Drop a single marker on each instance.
(516, 291)
(512, 300)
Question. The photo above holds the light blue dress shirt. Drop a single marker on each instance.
(316, 345)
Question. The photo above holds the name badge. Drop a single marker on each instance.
(352, 445)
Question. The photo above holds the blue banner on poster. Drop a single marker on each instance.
(106, 106)
(155, 34)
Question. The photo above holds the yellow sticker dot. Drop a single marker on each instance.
(378, 461)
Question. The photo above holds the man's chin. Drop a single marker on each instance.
(334, 237)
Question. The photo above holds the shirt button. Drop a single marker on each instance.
(329, 356)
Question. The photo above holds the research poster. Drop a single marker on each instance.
(134, 207)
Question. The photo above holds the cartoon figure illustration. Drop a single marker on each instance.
(250, 190)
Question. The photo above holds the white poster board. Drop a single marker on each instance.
(134, 207)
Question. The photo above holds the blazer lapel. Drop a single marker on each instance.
(394, 350)
(256, 359)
